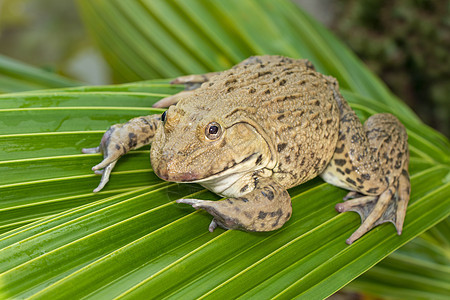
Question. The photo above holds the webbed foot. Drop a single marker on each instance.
(389, 206)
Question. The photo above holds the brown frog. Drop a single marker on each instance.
(260, 128)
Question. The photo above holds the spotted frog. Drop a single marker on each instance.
(268, 124)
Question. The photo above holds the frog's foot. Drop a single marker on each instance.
(118, 140)
(110, 156)
(266, 208)
(390, 206)
(191, 83)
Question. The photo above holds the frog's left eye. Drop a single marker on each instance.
(213, 131)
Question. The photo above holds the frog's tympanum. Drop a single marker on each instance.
(260, 128)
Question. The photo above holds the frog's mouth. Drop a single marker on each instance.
(248, 163)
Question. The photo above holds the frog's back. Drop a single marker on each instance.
(289, 103)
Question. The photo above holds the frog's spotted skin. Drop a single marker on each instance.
(268, 124)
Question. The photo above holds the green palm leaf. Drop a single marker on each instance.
(17, 77)
(59, 239)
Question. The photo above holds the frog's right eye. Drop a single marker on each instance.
(164, 116)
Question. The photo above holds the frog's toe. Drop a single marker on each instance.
(91, 150)
(106, 172)
(213, 225)
(195, 203)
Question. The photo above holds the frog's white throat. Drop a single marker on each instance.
(233, 185)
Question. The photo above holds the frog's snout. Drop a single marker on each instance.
(163, 171)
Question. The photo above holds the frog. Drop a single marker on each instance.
(266, 125)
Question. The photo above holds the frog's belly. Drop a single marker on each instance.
(335, 179)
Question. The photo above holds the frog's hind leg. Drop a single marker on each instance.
(265, 208)
(371, 162)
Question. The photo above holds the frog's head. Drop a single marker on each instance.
(196, 145)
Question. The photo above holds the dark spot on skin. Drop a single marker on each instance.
(340, 149)
(262, 215)
(360, 180)
(227, 83)
(252, 91)
(365, 176)
(243, 199)
(264, 73)
(281, 147)
(244, 188)
(340, 171)
(348, 171)
(248, 215)
(229, 201)
(372, 190)
(211, 83)
(302, 162)
(355, 138)
(268, 194)
(340, 162)
(346, 155)
(263, 225)
(287, 158)
(267, 92)
(230, 89)
(280, 117)
(278, 213)
(288, 215)
(282, 82)
(351, 181)
(317, 103)
(133, 140)
(237, 209)
(328, 121)
(342, 137)
(117, 146)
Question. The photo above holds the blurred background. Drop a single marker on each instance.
(405, 42)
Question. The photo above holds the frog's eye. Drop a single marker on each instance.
(213, 131)
(164, 116)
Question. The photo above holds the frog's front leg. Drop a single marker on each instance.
(265, 208)
(372, 162)
(121, 138)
